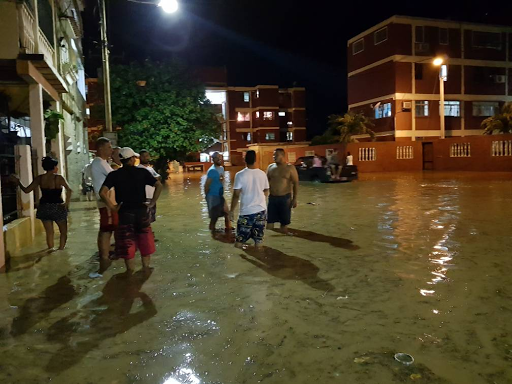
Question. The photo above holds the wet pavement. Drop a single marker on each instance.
(410, 263)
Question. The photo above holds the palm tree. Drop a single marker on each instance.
(343, 127)
(500, 123)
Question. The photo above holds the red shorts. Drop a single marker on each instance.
(134, 233)
(108, 220)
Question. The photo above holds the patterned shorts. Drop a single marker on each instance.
(134, 233)
(251, 227)
(52, 212)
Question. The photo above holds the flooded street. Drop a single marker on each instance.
(410, 263)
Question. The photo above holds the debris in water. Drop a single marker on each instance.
(342, 297)
(312, 203)
(415, 376)
(404, 358)
(361, 360)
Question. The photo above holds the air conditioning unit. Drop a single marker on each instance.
(422, 47)
(500, 79)
(406, 105)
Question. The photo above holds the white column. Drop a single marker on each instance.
(441, 104)
(37, 123)
(2, 246)
(27, 199)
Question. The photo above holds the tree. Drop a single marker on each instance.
(161, 108)
(350, 124)
(500, 123)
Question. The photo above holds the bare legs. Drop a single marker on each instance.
(130, 264)
(48, 227)
(50, 234)
(63, 229)
(104, 249)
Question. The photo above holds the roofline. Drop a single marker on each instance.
(399, 19)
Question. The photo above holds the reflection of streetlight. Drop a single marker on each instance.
(169, 6)
(443, 76)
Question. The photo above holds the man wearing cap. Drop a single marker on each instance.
(134, 229)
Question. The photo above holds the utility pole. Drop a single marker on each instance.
(106, 65)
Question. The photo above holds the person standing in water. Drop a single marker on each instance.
(145, 163)
(284, 188)
(51, 206)
(251, 187)
(214, 193)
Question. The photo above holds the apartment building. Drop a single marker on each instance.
(261, 115)
(41, 72)
(391, 76)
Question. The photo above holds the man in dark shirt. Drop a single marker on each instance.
(134, 229)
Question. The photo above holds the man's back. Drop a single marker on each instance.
(130, 184)
(252, 183)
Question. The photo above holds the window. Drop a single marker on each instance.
(290, 123)
(88, 112)
(282, 114)
(452, 108)
(487, 40)
(421, 108)
(358, 47)
(380, 36)
(247, 97)
(257, 93)
(420, 34)
(418, 72)
(268, 115)
(485, 108)
(289, 136)
(248, 137)
(244, 116)
(383, 110)
(270, 136)
(443, 36)
(257, 114)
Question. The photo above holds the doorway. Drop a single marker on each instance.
(428, 156)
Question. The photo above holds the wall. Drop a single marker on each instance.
(386, 157)
(9, 37)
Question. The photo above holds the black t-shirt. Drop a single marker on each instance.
(130, 185)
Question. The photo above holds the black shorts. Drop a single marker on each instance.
(280, 209)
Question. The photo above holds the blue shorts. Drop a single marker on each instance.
(280, 209)
(215, 206)
(251, 227)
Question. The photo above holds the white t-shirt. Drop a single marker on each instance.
(98, 171)
(252, 182)
(350, 160)
(150, 191)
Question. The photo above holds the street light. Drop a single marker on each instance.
(443, 76)
(169, 6)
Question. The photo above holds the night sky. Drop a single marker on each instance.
(282, 42)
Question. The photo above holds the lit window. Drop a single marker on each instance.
(485, 108)
(257, 114)
(487, 40)
(244, 116)
(421, 108)
(289, 136)
(380, 36)
(452, 108)
(290, 123)
(420, 34)
(257, 93)
(268, 115)
(270, 136)
(88, 111)
(282, 114)
(247, 97)
(247, 137)
(443, 36)
(383, 110)
(358, 47)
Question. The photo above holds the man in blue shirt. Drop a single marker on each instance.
(214, 192)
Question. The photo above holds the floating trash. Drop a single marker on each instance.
(415, 376)
(404, 358)
(361, 360)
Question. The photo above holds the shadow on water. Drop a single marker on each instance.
(36, 309)
(101, 319)
(15, 264)
(223, 237)
(286, 267)
(337, 242)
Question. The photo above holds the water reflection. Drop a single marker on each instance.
(101, 319)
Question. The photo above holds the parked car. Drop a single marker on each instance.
(307, 172)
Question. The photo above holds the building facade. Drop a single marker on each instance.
(261, 115)
(391, 76)
(41, 74)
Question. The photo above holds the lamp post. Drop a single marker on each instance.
(443, 76)
(168, 6)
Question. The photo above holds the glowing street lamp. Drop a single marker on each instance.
(443, 76)
(169, 6)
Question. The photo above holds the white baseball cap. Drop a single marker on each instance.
(127, 152)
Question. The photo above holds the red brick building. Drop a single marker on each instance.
(391, 76)
(264, 114)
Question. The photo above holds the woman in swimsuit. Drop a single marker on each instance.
(51, 206)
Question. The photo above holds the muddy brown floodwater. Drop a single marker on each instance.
(410, 263)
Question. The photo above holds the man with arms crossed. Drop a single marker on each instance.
(134, 230)
(284, 186)
(251, 187)
(214, 193)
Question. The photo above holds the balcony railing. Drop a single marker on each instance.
(26, 30)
